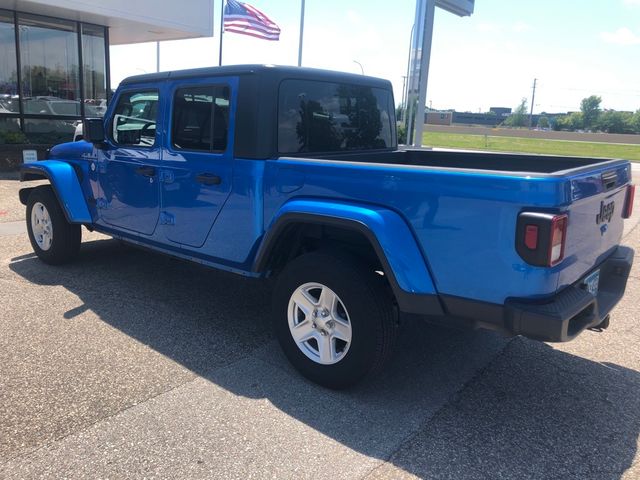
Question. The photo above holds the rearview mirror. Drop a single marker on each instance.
(93, 130)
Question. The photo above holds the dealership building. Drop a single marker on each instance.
(54, 57)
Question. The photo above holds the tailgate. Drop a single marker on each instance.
(595, 218)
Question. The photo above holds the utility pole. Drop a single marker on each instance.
(157, 56)
(403, 106)
(405, 97)
(533, 99)
(420, 56)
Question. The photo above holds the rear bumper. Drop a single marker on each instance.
(559, 318)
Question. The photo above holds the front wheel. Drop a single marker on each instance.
(334, 318)
(54, 240)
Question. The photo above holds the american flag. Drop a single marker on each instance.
(243, 18)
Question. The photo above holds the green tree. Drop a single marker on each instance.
(543, 122)
(635, 122)
(519, 116)
(590, 108)
(402, 134)
(611, 121)
(572, 121)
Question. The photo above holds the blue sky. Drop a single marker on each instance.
(574, 47)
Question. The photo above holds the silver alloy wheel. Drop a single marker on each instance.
(41, 226)
(319, 323)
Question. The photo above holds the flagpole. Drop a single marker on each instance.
(301, 34)
(221, 32)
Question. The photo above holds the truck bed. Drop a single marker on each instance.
(501, 162)
(463, 208)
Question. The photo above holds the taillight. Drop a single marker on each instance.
(541, 238)
(531, 236)
(628, 203)
(558, 236)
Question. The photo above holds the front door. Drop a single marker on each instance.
(129, 170)
(198, 161)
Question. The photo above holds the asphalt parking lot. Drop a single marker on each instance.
(129, 364)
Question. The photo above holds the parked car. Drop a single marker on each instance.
(47, 130)
(9, 123)
(9, 103)
(137, 109)
(294, 174)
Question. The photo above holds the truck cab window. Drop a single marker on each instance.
(324, 117)
(135, 118)
(201, 118)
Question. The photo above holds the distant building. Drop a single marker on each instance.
(54, 57)
(501, 111)
(469, 118)
(438, 118)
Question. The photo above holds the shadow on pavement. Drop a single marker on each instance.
(9, 175)
(532, 412)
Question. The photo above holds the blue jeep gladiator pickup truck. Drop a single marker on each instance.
(295, 174)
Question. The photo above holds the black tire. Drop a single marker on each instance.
(369, 304)
(66, 237)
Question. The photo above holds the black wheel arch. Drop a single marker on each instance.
(32, 174)
(283, 242)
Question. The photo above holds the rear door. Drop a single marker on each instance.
(198, 159)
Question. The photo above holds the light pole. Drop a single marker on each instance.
(301, 34)
(419, 56)
(361, 69)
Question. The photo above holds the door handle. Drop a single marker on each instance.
(146, 171)
(208, 179)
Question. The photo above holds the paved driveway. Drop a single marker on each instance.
(128, 364)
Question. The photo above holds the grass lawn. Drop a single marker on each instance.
(531, 145)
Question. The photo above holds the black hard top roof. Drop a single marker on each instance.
(272, 71)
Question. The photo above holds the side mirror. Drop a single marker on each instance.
(93, 130)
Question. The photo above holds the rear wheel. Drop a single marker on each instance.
(334, 318)
(54, 240)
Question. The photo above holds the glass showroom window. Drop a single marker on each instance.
(9, 107)
(50, 67)
(94, 70)
(8, 67)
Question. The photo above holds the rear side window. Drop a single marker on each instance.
(201, 118)
(320, 117)
(135, 118)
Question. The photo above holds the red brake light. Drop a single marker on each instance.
(628, 204)
(531, 236)
(557, 239)
(541, 238)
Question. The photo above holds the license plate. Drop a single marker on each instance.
(590, 283)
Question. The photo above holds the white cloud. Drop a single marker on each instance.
(517, 27)
(520, 27)
(486, 27)
(354, 17)
(632, 2)
(622, 36)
